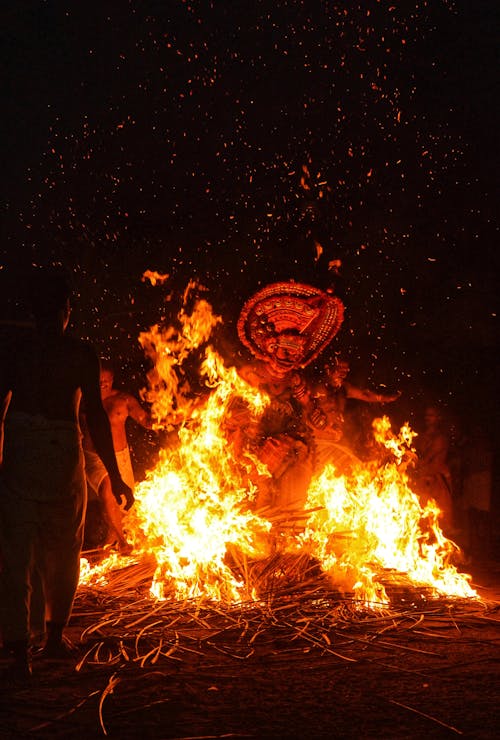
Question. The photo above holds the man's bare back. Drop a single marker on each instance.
(47, 375)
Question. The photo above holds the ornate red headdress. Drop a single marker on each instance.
(298, 317)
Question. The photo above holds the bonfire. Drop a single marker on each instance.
(196, 530)
(215, 578)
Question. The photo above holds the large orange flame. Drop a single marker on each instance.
(196, 508)
(371, 521)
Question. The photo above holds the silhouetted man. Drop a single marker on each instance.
(43, 376)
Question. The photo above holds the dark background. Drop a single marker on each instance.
(224, 140)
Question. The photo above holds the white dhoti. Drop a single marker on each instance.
(96, 472)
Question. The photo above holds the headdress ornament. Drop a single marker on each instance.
(292, 310)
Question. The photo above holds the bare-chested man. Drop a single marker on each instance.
(327, 405)
(432, 476)
(43, 375)
(119, 406)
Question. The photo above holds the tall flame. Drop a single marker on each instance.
(168, 348)
(195, 504)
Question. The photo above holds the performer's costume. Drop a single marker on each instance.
(42, 510)
(298, 319)
(96, 472)
(286, 326)
(326, 421)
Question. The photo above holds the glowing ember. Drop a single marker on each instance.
(155, 278)
(195, 515)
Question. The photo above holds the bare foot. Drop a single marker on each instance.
(58, 650)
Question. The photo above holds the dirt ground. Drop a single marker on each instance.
(426, 669)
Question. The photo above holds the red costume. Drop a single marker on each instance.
(286, 326)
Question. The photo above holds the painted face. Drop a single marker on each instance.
(285, 352)
(106, 382)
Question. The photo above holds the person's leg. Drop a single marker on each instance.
(57, 555)
(294, 483)
(37, 608)
(98, 526)
(113, 517)
(17, 534)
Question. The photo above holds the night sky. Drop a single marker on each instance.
(350, 145)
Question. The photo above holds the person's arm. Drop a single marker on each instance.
(99, 427)
(365, 394)
(138, 413)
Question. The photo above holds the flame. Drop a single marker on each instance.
(195, 504)
(155, 278)
(195, 514)
(168, 348)
(371, 521)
